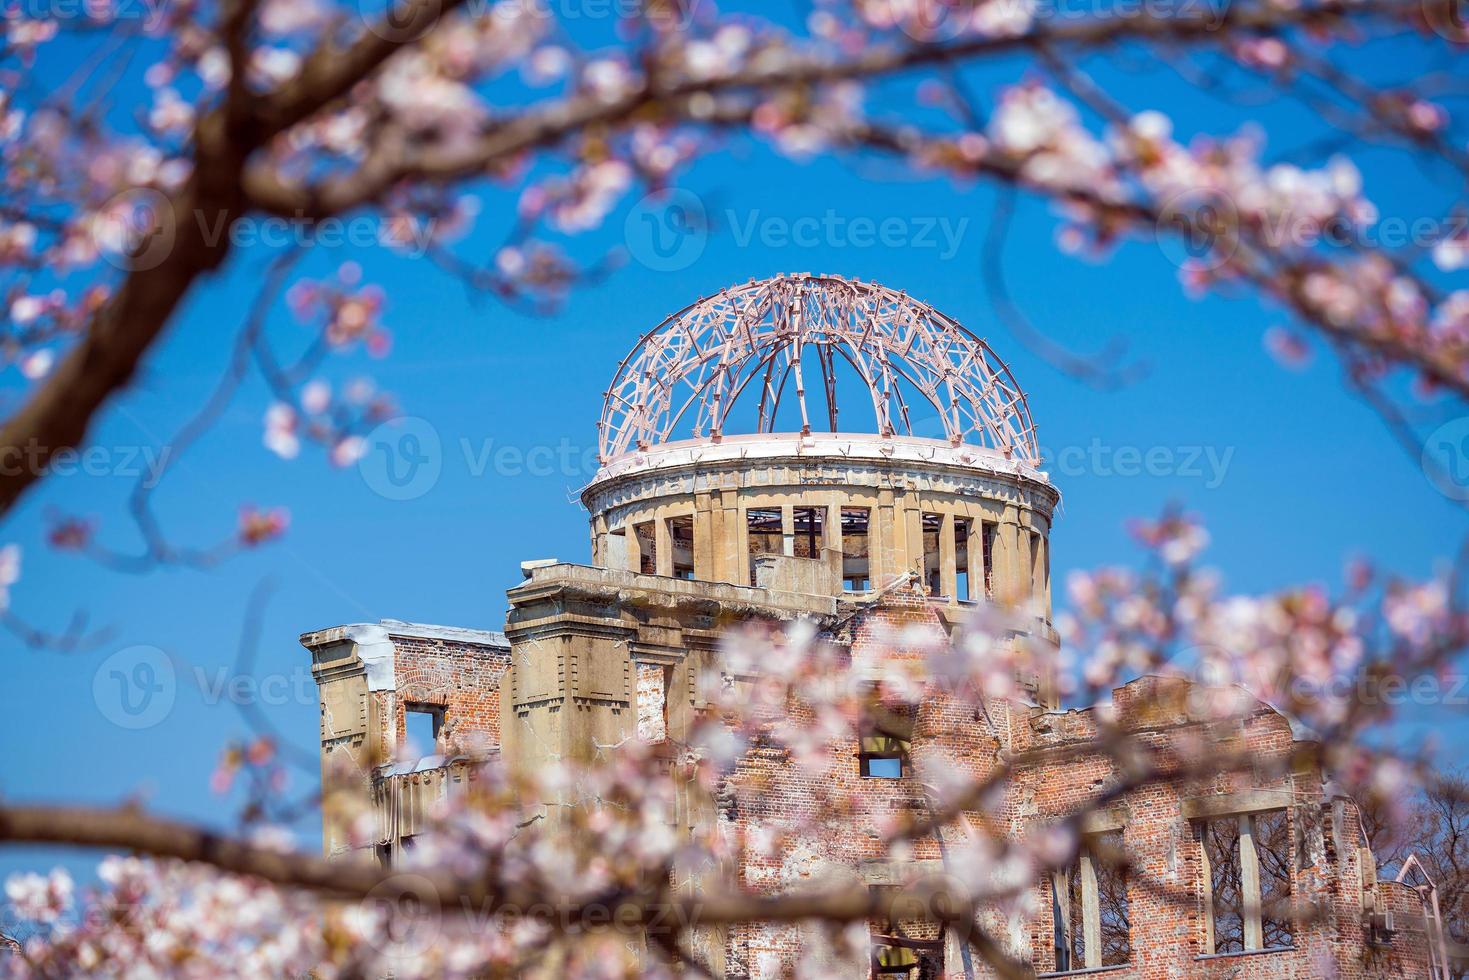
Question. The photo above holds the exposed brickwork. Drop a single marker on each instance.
(462, 678)
(1059, 772)
(1404, 943)
(652, 697)
(617, 649)
(1168, 935)
(1166, 910)
(770, 791)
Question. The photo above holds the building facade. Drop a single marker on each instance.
(879, 532)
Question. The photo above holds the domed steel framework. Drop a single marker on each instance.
(709, 354)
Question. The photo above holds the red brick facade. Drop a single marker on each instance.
(1165, 897)
(1056, 772)
(462, 678)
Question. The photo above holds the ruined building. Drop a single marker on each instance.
(721, 499)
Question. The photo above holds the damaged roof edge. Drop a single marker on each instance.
(1299, 730)
(375, 646)
(397, 627)
(427, 631)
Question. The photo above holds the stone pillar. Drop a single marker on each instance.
(1091, 911)
(634, 547)
(911, 549)
(948, 559)
(357, 718)
(662, 545)
(1009, 587)
(1024, 584)
(570, 682)
(731, 549)
(718, 531)
(831, 533)
(1249, 873)
(705, 559)
(1042, 566)
(738, 536)
(976, 558)
(599, 540)
(882, 527)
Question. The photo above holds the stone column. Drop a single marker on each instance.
(1008, 581)
(976, 558)
(662, 544)
(739, 542)
(831, 533)
(1043, 576)
(599, 540)
(705, 560)
(1091, 912)
(730, 548)
(1249, 874)
(948, 559)
(634, 547)
(882, 530)
(911, 555)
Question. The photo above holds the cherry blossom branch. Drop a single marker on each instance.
(59, 412)
(157, 549)
(74, 638)
(131, 829)
(329, 72)
(1282, 278)
(547, 124)
(491, 874)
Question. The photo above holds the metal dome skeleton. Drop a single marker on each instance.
(708, 355)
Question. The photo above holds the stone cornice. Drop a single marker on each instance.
(624, 589)
(834, 461)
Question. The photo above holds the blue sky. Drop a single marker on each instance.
(1309, 476)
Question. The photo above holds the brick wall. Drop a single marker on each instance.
(768, 793)
(460, 677)
(1167, 929)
